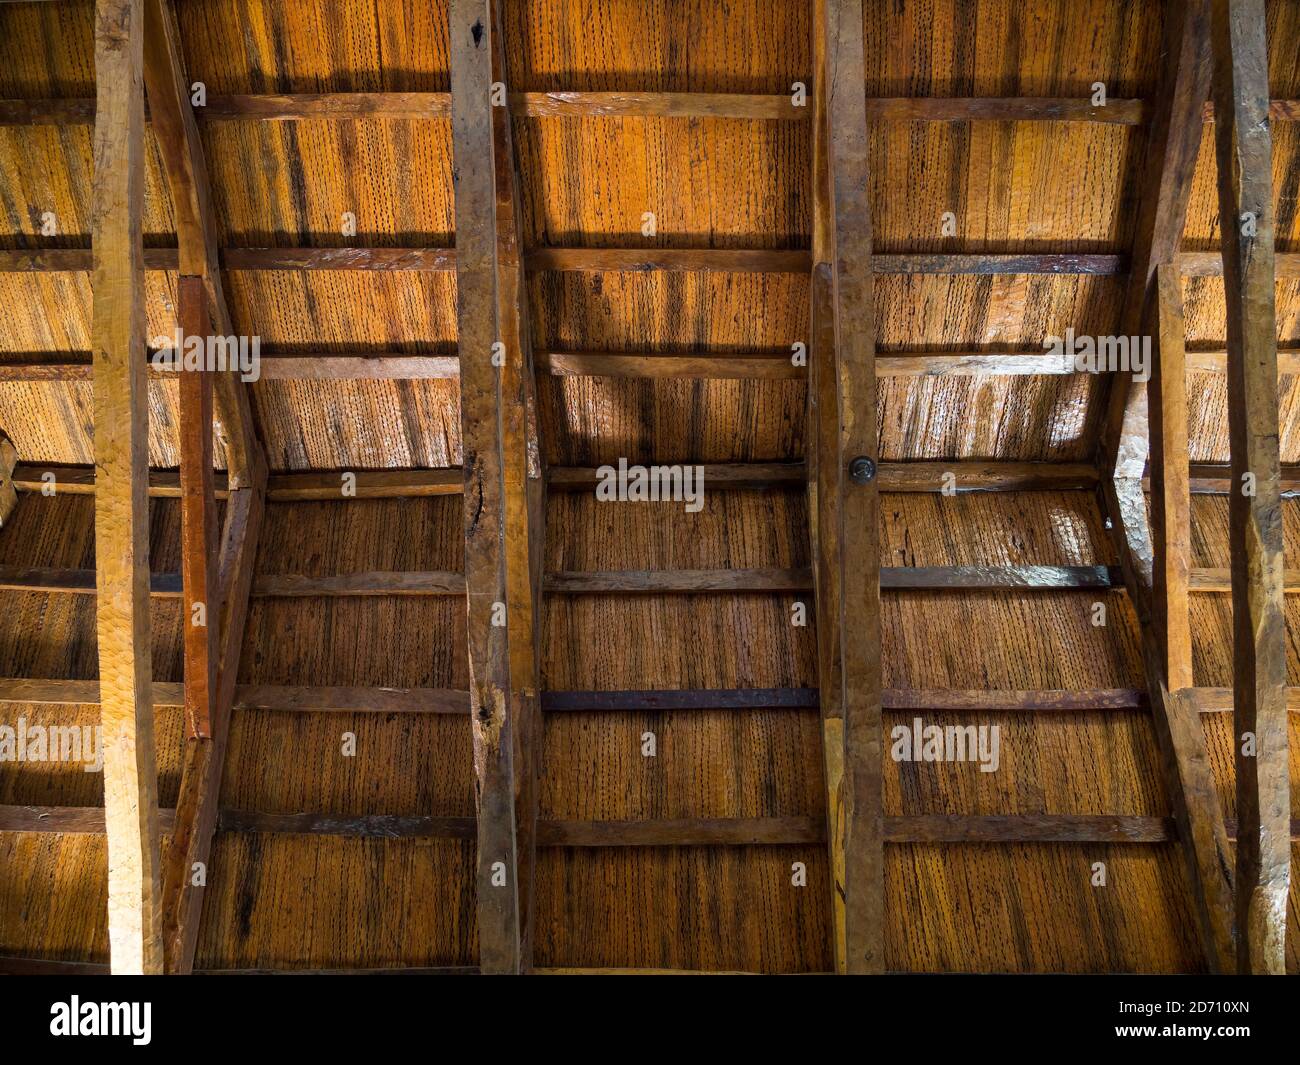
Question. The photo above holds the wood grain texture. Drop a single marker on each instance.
(198, 523)
(1170, 495)
(121, 505)
(1244, 151)
(858, 504)
(478, 319)
(1173, 142)
(204, 757)
(177, 135)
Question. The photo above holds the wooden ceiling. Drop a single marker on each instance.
(344, 194)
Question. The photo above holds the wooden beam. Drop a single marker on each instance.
(1216, 479)
(1189, 783)
(955, 578)
(1216, 362)
(848, 268)
(1173, 142)
(524, 502)
(1210, 264)
(349, 106)
(198, 522)
(75, 820)
(639, 260)
(203, 759)
(685, 832)
(749, 260)
(718, 476)
(364, 484)
(287, 698)
(332, 366)
(375, 826)
(317, 700)
(975, 476)
(295, 585)
(177, 136)
(928, 477)
(1171, 520)
(77, 581)
(823, 497)
(959, 476)
(8, 491)
(681, 699)
(478, 320)
(701, 366)
(1244, 150)
(1200, 580)
(121, 423)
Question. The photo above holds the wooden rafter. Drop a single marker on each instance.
(177, 134)
(1244, 150)
(121, 503)
(482, 433)
(203, 759)
(1158, 558)
(414, 106)
(524, 487)
(198, 522)
(1171, 500)
(1173, 142)
(848, 504)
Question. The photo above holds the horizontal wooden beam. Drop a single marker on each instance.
(719, 476)
(295, 585)
(683, 832)
(1210, 264)
(389, 700)
(1216, 479)
(681, 699)
(635, 260)
(715, 366)
(694, 260)
(79, 820)
(289, 698)
(892, 699)
(343, 106)
(927, 477)
(364, 484)
(700, 366)
(652, 582)
(1028, 578)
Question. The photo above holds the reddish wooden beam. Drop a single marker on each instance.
(198, 521)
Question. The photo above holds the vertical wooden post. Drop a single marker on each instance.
(198, 520)
(1244, 148)
(482, 354)
(121, 500)
(822, 444)
(524, 488)
(856, 526)
(1170, 489)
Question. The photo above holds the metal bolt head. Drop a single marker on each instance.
(862, 470)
